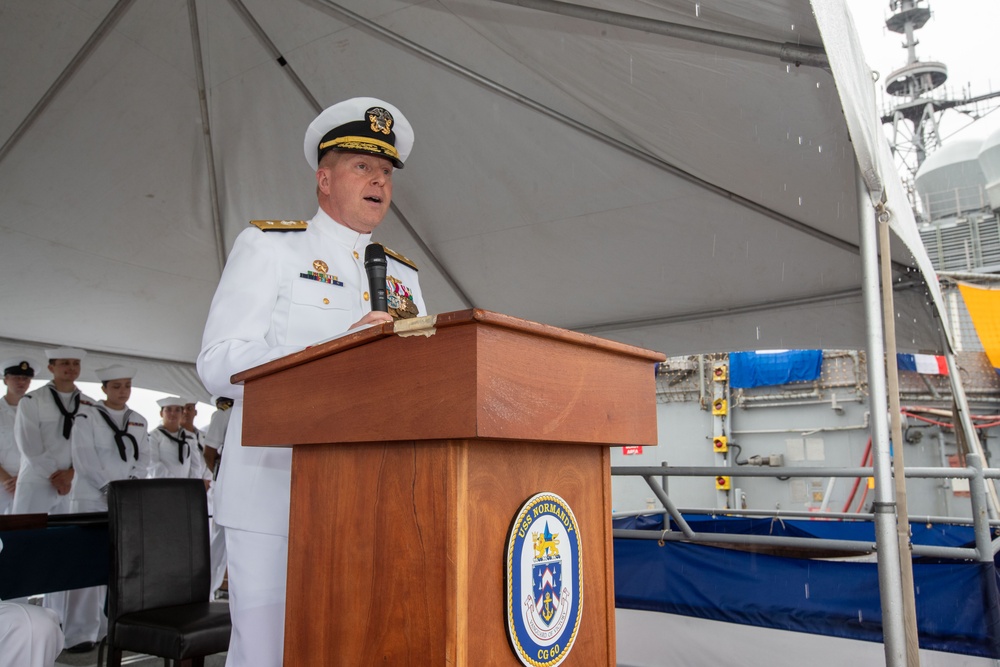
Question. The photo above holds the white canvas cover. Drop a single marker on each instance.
(662, 192)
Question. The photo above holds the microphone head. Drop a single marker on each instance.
(375, 255)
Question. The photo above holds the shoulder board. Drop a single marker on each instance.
(280, 225)
(400, 258)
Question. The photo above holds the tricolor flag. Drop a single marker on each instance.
(984, 309)
(928, 364)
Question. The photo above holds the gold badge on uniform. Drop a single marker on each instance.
(320, 266)
(399, 298)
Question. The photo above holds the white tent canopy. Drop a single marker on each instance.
(682, 196)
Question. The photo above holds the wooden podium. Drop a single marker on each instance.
(415, 444)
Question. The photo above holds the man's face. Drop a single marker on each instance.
(171, 416)
(65, 369)
(355, 189)
(117, 392)
(17, 385)
(190, 412)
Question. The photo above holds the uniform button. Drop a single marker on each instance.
(326, 301)
(366, 296)
(356, 255)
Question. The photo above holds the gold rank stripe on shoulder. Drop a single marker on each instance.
(401, 258)
(280, 225)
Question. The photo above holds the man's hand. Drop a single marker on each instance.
(62, 480)
(374, 317)
(10, 484)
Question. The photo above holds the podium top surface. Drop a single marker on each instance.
(470, 374)
(428, 325)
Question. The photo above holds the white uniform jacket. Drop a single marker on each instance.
(280, 292)
(39, 433)
(170, 459)
(96, 457)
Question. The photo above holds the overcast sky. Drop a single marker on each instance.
(961, 33)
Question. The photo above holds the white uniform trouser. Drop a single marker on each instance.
(258, 565)
(216, 544)
(29, 635)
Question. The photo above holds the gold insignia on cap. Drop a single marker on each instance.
(320, 265)
(380, 119)
(24, 365)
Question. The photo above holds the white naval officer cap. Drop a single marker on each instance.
(360, 125)
(18, 366)
(171, 401)
(65, 353)
(116, 372)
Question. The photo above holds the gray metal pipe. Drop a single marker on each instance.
(671, 508)
(846, 546)
(884, 506)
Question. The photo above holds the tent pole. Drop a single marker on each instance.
(787, 52)
(884, 506)
(257, 30)
(898, 464)
(95, 38)
(206, 127)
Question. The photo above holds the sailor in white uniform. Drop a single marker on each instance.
(44, 424)
(17, 374)
(109, 443)
(174, 451)
(280, 292)
(45, 419)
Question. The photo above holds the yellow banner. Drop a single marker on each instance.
(984, 308)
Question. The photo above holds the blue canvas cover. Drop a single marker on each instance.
(759, 369)
(957, 602)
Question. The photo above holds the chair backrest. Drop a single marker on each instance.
(159, 544)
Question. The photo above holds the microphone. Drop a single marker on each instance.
(375, 265)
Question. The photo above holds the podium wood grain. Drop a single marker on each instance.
(413, 451)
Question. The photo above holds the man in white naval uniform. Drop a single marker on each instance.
(279, 293)
(45, 421)
(17, 374)
(109, 443)
(173, 450)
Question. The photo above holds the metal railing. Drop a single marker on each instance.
(985, 546)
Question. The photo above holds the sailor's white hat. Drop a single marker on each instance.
(171, 401)
(65, 353)
(116, 372)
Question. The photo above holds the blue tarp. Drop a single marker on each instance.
(759, 369)
(957, 602)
